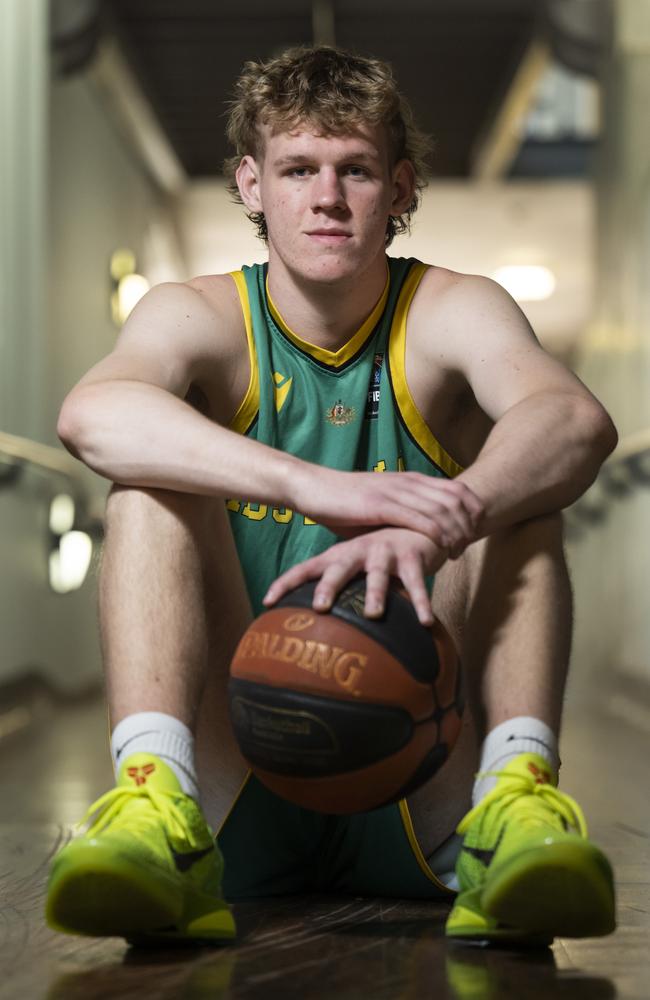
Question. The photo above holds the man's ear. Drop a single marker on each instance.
(247, 176)
(403, 186)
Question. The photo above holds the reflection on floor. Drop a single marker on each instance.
(315, 947)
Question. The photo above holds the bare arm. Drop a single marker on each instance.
(550, 435)
(127, 418)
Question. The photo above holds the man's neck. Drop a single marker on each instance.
(326, 314)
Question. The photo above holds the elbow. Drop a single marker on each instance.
(64, 426)
(604, 432)
(598, 432)
(70, 425)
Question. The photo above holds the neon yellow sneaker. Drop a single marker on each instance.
(147, 869)
(526, 870)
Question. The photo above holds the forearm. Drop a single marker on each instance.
(138, 434)
(539, 458)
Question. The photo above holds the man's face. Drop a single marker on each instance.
(326, 199)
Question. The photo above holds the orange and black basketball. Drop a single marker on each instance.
(340, 713)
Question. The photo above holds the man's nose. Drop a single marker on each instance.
(327, 190)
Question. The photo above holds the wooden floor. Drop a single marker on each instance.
(306, 947)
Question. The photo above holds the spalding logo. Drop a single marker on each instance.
(343, 667)
(298, 622)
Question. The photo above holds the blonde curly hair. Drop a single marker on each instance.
(334, 91)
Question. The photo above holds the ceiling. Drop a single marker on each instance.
(454, 59)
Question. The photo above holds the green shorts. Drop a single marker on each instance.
(274, 848)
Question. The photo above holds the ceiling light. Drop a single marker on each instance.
(526, 282)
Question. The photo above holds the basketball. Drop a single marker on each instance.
(340, 713)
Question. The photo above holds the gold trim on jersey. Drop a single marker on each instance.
(250, 404)
(417, 850)
(332, 358)
(412, 417)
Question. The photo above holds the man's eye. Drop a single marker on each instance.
(355, 171)
(299, 172)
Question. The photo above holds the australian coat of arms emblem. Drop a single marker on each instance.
(339, 415)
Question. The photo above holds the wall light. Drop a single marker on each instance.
(129, 292)
(127, 286)
(62, 511)
(69, 563)
(526, 282)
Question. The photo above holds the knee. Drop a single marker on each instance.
(539, 538)
(519, 554)
(503, 559)
(516, 545)
(152, 509)
(538, 534)
(127, 502)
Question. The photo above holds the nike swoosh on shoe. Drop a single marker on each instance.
(185, 860)
(483, 854)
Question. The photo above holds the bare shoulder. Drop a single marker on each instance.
(207, 306)
(218, 294)
(469, 305)
(188, 338)
(470, 327)
(462, 321)
(439, 280)
(195, 308)
(200, 319)
(222, 375)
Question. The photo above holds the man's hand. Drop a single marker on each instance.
(389, 552)
(445, 511)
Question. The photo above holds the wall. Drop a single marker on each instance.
(74, 193)
(99, 200)
(612, 564)
(23, 124)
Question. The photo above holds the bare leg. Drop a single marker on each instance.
(517, 639)
(172, 607)
(508, 604)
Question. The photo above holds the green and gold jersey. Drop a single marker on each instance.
(349, 409)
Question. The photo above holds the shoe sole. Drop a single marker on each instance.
(564, 890)
(468, 923)
(98, 896)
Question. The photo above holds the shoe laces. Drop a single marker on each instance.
(520, 789)
(110, 805)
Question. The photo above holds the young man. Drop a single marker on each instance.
(236, 419)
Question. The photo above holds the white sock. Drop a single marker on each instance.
(506, 741)
(162, 735)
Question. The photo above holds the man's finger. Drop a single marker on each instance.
(304, 571)
(412, 576)
(334, 577)
(377, 581)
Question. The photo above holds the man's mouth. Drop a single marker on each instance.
(330, 237)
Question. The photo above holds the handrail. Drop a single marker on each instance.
(632, 446)
(18, 452)
(43, 456)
